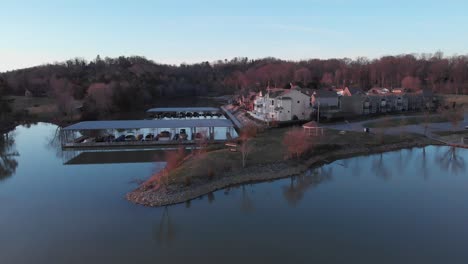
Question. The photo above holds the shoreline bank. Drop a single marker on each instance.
(174, 194)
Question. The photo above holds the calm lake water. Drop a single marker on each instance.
(408, 206)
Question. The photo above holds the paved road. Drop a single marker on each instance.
(419, 128)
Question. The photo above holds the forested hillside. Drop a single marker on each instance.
(126, 83)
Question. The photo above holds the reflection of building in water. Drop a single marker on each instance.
(103, 156)
(8, 163)
(294, 192)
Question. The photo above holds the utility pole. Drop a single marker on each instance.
(318, 112)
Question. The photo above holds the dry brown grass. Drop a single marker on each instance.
(269, 148)
(459, 99)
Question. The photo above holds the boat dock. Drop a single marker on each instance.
(155, 132)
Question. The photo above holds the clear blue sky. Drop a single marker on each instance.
(37, 32)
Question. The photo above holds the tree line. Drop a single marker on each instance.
(126, 83)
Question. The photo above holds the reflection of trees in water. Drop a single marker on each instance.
(247, 205)
(54, 142)
(8, 163)
(380, 168)
(211, 197)
(424, 163)
(404, 158)
(450, 160)
(294, 192)
(164, 233)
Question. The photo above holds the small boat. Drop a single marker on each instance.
(149, 137)
(196, 114)
(130, 137)
(80, 139)
(189, 115)
(164, 136)
(183, 135)
(120, 138)
(89, 140)
(139, 137)
(199, 136)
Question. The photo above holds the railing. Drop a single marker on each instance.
(137, 143)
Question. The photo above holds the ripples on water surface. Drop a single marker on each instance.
(408, 206)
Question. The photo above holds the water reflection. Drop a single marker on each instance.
(247, 205)
(164, 232)
(298, 185)
(54, 142)
(8, 162)
(379, 166)
(451, 161)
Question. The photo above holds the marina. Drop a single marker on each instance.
(152, 132)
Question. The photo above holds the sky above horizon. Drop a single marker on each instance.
(36, 32)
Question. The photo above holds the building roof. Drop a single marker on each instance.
(277, 92)
(137, 124)
(311, 124)
(306, 91)
(353, 90)
(182, 109)
(325, 93)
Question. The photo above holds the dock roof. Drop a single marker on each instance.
(182, 109)
(137, 124)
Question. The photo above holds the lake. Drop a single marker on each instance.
(408, 206)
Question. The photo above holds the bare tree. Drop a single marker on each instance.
(410, 82)
(303, 75)
(297, 142)
(245, 145)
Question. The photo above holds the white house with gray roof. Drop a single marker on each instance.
(282, 105)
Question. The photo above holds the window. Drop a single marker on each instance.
(272, 102)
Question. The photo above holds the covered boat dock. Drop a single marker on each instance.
(146, 132)
(182, 112)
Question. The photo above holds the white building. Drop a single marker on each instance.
(282, 105)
